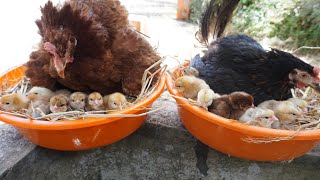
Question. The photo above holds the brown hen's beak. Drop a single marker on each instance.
(61, 74)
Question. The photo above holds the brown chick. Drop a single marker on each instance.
(190, 71)
(232, 106)
(78, 100)
(14, 102)
(285, 111)
(300, 103)
(260, 117)
(95, 102)
(115, 101)
(189, 86)
(59, 103)
(206, 96)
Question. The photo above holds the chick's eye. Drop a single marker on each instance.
(293, 114)
(82, 99)
(114, 103)
(266, 117)
(7, 103)
(36, 93)
(91, 99)
(99, 99)
(61, 105)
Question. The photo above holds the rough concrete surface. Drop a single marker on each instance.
(156, 152)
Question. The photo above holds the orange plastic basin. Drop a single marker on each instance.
(83, 133)
(230, 136)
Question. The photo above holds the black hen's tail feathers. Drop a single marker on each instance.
(216, 17)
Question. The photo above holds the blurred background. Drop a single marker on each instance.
(170, 26)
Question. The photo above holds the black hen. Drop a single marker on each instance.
(239, 63)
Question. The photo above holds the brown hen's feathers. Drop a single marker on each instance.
(40, 60)
(130, 43)
(108, 55)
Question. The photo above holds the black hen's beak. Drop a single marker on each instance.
(315, 85)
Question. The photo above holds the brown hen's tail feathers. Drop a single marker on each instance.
(216, 17)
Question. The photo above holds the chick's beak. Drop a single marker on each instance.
(274, 118)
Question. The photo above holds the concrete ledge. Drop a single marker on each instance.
(160, 149)
(13, 147)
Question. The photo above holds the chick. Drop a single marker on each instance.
(189, 86)
(59, 103)
(78, 100)
(95, 102)
(39, 93)
(232, 106)
(300, 103)
(115, 101)
(14, 102)
(39, 101)
(285, 111)
(206, 96)
(39, 107)
(190, 71)
(260, 117)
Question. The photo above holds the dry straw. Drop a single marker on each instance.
(22, 85)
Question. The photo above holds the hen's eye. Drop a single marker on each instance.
(303, 75)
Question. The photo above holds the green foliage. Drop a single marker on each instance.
(196, 8)
(297, 21)
(301, 24)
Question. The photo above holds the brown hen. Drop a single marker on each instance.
(89, 46)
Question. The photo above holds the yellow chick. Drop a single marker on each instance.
(260, 117)
(59, 103)
(189, 86)
(300, 103)
(14, 102)
(115, 101)
(39, 101)
(95, 102)
(78, 100)
(206, 96)
(39, 93)
(285, 111)
(190, 71)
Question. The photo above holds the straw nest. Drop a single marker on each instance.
(21, 85)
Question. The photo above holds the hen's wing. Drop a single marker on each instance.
(133, 55)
